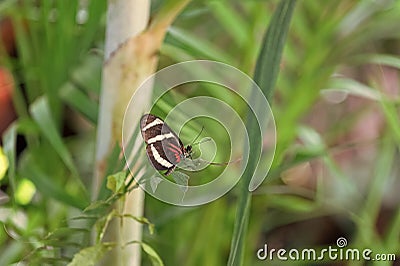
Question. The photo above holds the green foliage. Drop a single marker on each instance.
(55, 44)
(154, 257)
(323, 39)
(347, 50)
(265, 75)
(92, 255)
(115, 182)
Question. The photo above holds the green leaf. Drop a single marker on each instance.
(97, 205)
(292, 203)
(265, 76)
(177, 53)
(312, 140)
(11, 251)
(116, 182)
(154, 257)
(92, 255)
(87, 75)
(353, 87)
(142, 220)
(392, 118)
(79, 101)
(199, 45)
(41, 113)
(268, 62)
(380, 59)
(63, 232)
(32, 166)
(231, 20)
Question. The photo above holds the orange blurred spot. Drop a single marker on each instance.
(7, 114)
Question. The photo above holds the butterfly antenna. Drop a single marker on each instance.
(198, 135)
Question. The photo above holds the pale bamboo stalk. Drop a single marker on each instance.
(125, 19)
(134, 59)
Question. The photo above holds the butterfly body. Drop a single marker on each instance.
(163, 146)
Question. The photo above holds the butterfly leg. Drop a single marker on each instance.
(170, 170)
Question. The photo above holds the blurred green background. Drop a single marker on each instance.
(336, 106)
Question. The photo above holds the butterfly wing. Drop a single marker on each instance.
(164, 148)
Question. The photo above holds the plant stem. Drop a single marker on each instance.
(125, 19)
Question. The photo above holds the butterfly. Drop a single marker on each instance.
(163, 146)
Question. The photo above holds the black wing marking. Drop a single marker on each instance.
(165, 153)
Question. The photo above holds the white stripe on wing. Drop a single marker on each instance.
(159, 159)
(160, 138)
(152, 124)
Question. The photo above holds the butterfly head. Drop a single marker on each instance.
(188, 152)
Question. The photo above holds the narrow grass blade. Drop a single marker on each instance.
(41, 113)
(79, 101)
(346, 85)
(87, 76)
(231, 20)
(268, 62)
(30, 167)
(379, 59)
(265, 76)
(392, 118)
(198, 45)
